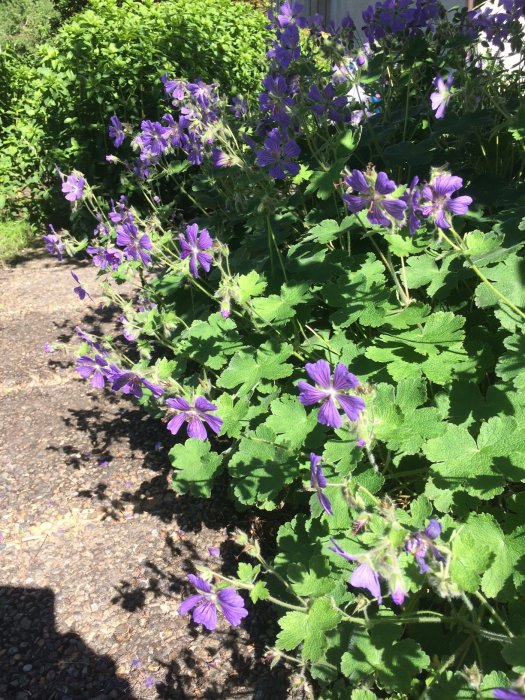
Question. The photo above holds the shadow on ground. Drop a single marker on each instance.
(36, 661)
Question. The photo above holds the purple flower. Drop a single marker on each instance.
(132, 383)
(153, 138)
(398, 595)
(318, 482)
(89, 340)
(127, 330)
(276, 99)
(149, 682)
(203, 94)
(175, 134)
(286, 48)
(239, 107)
(326, 101)
(440, 99)
(214, 551)
(174, 89)
(420, 544)
(193, 245)
(95, 368)
(411, 197)
(373, 195)
(206, 603)
(73, 187)
(47, 347)
(136, 246)
(328, 392)
(507, 694)
(277, 155)
(196, 416)
(437, 202)
(105, 257)
(290, 13)
(54, 244)
(116, 131)
(362, 577)
(79, 290)
(219, 159)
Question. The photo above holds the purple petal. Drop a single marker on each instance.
(190, 603)
(351, 405)
(199, 583)
(309, 394)
(383, 185)
(446, 184)
(355, 203)
(441, 219)
(319, 372)
(325, 503)
(232, 606)
(191, 233)
(343, 379)
(175, 423)
(98, 380)
(395, 207)
(205, 240)
(203, 404)
(329, 415)
(357, 181)
(214, 422)
(433, 529)
(205, 260)
(459, 205)
(365, 577)
(179, 403)
(315, 461)
(398, 596)
(339, 550)
(196, 428)
(206, 614)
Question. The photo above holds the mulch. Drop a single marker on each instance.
(95, 547)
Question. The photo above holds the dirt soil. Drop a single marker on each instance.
(95, 547)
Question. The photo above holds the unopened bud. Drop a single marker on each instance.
(473, 676)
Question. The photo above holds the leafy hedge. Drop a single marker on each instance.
(108, 59)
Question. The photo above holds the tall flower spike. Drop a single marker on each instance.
(329, 392)
(318, 482)
(206, 603)
(194, 245)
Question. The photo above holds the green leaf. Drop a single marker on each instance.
(462, 464)
(249, 286)
(278, 309)
(290, 422)
(233, 414)
(248, 369)
(394, 663)
(322, 181)
(399, 422)
(247, 572)
(313, 581)
(308, 628)
(511, 364)
(259, 592)
(195, 467)
(479, 245)
(261, 467)
(483, 555)
(514, 654)
(507, 277)
(362, 295)
(210, 342)
(436, 349)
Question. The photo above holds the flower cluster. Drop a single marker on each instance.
(374, 193)
(407, 17)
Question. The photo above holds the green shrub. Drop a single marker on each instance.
(15, 234)
(109, 59)
(26, 23)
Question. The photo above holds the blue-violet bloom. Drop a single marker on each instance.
(116, 131)
(278, 155)
(362, 577)
(206, 603)
(420, 544)
(318, 482)
(373, 191)
(194, 244)
(73, 187)
(79, 290)
(95, 368)
(196, 416)
(437, 202)
(328, 392)
(440, 99)
(132, 383)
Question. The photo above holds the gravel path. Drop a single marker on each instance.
(94, 547)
